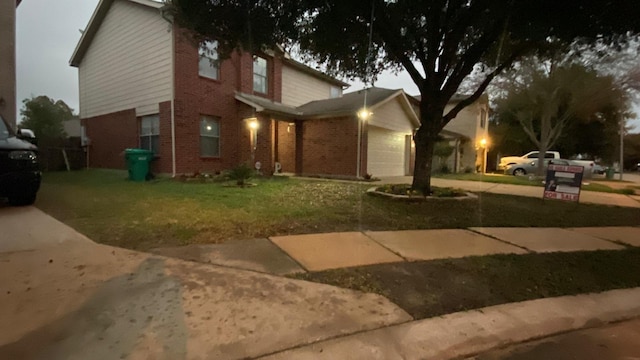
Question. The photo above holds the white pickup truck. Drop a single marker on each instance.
(533, 155)
(530, 156)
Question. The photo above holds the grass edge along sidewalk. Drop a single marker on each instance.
(431, 288)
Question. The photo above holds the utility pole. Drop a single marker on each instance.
(621, 146)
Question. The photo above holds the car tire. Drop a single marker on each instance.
(519, 172)
(22, 200)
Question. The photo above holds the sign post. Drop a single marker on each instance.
(563, 182)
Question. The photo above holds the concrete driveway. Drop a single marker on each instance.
(63, 296)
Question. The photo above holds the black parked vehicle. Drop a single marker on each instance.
(19, 168)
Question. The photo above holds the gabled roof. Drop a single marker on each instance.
(351, 103)
(94, 24)
(347, 105)
(261, 104)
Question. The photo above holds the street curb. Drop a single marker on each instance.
(469, 333)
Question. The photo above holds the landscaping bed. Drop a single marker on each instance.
(431, 288)
(107, 208)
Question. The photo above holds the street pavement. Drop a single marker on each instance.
(619, 341)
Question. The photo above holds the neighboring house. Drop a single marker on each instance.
(473, 123)
(72, 127)
(467, 134)
(145, 83)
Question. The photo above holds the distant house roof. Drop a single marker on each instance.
(94, 24)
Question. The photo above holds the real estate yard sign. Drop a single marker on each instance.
(563, 182)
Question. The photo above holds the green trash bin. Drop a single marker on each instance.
(610, 172)
(138, 163)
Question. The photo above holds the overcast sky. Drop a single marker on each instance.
(48, 31)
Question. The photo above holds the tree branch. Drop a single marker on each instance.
(483, 86)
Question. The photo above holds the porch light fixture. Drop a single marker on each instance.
(253, 124)
(364, 114)
(484, 145)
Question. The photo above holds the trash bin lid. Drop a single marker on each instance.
(138, 152)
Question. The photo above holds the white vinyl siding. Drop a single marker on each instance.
(386, 152)
(128, 64)
(300, 88)
(391, 115)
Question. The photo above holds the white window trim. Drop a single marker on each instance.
(208, 54)
(154, 132)
(265, 76)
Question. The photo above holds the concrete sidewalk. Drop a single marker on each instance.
(589, 197)
(283, 255)
(316, 252)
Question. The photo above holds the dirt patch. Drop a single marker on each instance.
(431, 288)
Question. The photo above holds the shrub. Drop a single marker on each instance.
(241, 174)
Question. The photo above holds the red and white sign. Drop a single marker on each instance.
(563, 182)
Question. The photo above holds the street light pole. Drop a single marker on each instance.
(621, 146)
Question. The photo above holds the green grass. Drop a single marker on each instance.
(111, 210)
(431, 288)
(592, 185)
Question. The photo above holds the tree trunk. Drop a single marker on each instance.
(425, 140)
(545, 129)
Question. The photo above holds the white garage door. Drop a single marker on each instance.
(386, 152)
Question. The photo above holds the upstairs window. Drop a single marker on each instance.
(209, 136)
(208, 65)
(483, 118)
(260, 75)
(336, 92)
(150, 133)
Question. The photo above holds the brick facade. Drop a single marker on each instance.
(326, 146)
(329, 146)
(196, 96)
(110, 134)
(286, 146)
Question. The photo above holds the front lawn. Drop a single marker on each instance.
(111, 210)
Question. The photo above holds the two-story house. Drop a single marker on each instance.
(145, 83)
(467, 134)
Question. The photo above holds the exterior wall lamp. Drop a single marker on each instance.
(253, 125)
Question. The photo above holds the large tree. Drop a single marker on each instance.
(546, 98)
(44, 116)
(438, 42)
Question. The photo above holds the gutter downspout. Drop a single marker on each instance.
(163, 11)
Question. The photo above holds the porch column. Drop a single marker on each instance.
(299, 147)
